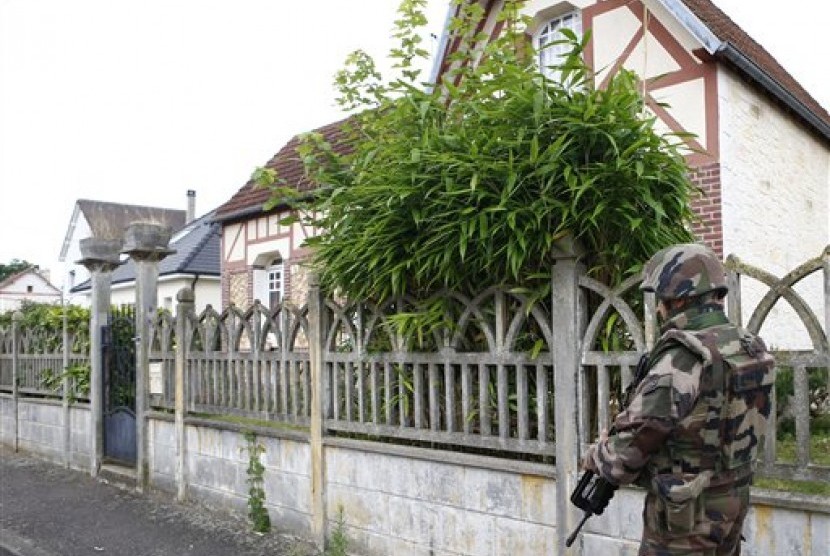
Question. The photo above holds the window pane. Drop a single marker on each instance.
(552, 32)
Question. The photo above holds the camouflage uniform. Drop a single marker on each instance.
(694, 425)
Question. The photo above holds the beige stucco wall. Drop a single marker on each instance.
(776, 198)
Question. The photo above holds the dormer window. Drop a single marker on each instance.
(551, 32)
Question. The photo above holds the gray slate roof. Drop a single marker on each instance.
(197, 248)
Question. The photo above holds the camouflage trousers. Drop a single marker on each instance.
(709, 525)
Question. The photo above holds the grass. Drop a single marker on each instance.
(801, 487)
(249, 421)
(819, 448)
(786, 453)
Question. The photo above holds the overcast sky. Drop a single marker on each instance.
(137, 101)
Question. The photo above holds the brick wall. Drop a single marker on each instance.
(707, 206)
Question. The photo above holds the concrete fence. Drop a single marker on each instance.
(461, 439)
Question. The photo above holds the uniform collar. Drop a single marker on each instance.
(696, 317)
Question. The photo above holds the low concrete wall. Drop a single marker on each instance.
(41, 429)
(413, 501)
(7, 426)
(80, 441)
(217, 463)
(402, 500)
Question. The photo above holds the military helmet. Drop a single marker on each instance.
(684, 270)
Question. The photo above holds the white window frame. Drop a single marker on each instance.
(551, 31)
(275, 277)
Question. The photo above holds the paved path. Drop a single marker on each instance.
(46, 510)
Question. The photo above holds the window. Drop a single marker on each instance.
(29, 289)
(276, 283)
(553, 54)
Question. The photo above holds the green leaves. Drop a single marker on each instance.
(469, 182)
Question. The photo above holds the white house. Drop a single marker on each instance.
(27, 285)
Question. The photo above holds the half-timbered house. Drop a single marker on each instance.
(759, 143)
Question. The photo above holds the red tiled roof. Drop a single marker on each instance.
(289, 167)
(727, 30)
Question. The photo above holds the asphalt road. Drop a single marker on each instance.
(46, 510)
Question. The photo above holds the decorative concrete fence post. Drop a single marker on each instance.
(825, 259)
(17, 316)
(315, 341)
(146, 243)
(184, 312)
(100, 257)
(568, 323)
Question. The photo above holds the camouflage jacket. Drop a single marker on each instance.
(702, 406)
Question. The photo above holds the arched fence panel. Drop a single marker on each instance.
(800, 414)
(45, 360)
(620, 328)
(250, 363)
(480, 378)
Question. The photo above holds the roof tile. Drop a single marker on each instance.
(289, 167)
(727, 30)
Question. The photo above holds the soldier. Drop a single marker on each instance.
(694, 424)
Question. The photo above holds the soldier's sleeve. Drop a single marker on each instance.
(666, 395)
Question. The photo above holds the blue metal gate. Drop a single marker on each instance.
(119, 386)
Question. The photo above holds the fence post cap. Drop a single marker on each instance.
(185, 295)
(567, 248)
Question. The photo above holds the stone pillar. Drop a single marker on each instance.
(316, 331)
(568, 323)
(100, 257)
(17, 316)
(184, 312)
(67, 385)
(825, 259)
(146, 243)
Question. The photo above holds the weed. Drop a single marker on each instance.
(257, 511)
(338, 543)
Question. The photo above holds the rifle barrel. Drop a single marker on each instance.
(573, 536)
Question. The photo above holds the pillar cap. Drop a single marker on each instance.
(100, 251)
(147, 240)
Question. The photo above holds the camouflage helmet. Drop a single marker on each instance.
(684, 270)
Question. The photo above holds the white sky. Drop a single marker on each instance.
(136, 101)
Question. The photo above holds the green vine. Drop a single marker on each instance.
(257, 511)
(77, 376)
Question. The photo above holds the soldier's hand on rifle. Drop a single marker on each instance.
(588, 461)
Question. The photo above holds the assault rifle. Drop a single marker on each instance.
(592, 492)
(591, 495)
